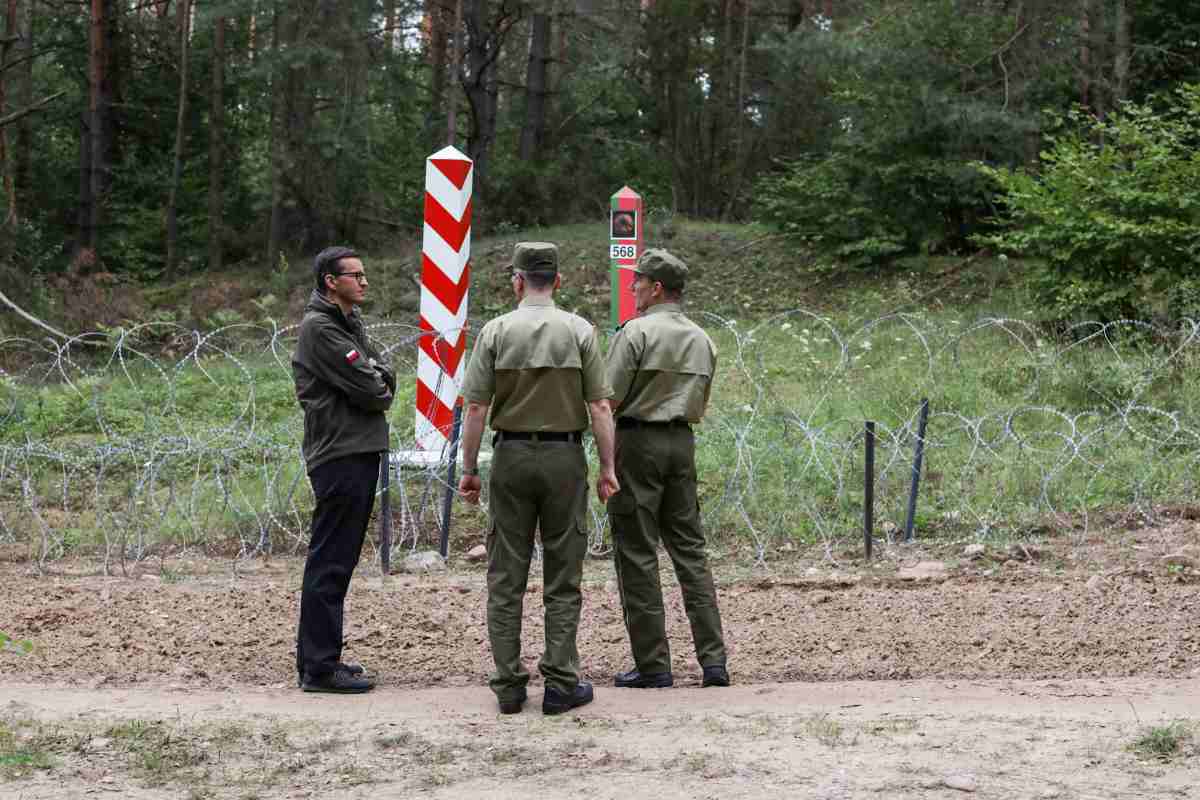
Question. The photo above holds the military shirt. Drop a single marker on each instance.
(661, 366)
(538, 367)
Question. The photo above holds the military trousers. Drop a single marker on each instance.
(536, 486)
(656, 467)
(345, 493)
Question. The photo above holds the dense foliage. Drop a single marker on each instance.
(162, 138)
(1112, 212)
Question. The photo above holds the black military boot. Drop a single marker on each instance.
(643, 680)
(555, 701)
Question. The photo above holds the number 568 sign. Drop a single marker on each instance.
(623, 252)
(624, 246)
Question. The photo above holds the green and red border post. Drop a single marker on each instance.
(625, 225)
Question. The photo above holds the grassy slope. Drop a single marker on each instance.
(780, 456)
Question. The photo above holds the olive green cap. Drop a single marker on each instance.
(535, 257)
(659, 265)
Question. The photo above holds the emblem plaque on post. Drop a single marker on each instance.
(624, 246)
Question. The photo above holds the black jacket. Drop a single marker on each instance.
(342, 388)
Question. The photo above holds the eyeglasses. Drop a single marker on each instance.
(361, 277)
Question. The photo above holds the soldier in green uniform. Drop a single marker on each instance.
(540, 371)
(661, 366)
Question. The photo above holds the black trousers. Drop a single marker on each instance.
(345, 492)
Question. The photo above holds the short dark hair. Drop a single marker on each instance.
(326, 263)
(539, 279)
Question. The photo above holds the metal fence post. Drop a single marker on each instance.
(448, 500)
(385, 512)
(869, 489)
(918, 454)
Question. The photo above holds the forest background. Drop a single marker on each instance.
(144, 141)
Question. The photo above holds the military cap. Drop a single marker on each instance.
(535, 257)
(659, 265)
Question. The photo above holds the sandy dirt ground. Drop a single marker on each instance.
(1027, 671)
(902, 739)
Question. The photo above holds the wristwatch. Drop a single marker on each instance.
(470, 470)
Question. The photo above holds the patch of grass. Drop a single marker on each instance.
(891, 727)
(828, 731)
(160, 754)
(22, 646)
(19, 757)
(442, 754)
(353, 774)
(435, 778)
(1163, 742)
(762, 725)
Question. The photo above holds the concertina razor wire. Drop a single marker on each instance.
(1021, 429)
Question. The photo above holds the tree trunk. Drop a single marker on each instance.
(533, 132)
(277, 128)
(1085, 52)
(98, 106)
(739, 150)
(437, 30)
(23, 150)
(1121, 62)
(84, 212)
(483, 50)
(10, 38)
(216, 151)
(180, 132)
(389, 24)
(456, 73)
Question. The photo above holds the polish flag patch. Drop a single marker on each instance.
(352, 356)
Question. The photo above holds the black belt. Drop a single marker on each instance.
(630, 422)
(538, 436)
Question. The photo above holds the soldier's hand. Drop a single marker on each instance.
(607, 485)
(469, 487)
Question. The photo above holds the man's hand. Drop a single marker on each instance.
(607, 485)
(469, 487)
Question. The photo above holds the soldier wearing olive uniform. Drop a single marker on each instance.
(661, 366)
(540, 371)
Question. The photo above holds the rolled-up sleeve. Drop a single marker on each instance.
(479, 385)
(595, 382)
(623, 358)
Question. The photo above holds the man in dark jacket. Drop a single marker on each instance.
(344, 392)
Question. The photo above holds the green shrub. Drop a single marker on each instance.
(1112, 213)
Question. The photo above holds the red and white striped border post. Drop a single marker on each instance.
(445, 280)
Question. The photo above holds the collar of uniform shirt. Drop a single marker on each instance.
(536, 301)
(662, 308)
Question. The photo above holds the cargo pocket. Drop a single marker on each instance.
(621, 503)
(622, 511)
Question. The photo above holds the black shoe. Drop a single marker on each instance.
(513, 706)
(715, 675)
(638, 680)
(337, 682)
(353, 667)
(557, 702)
